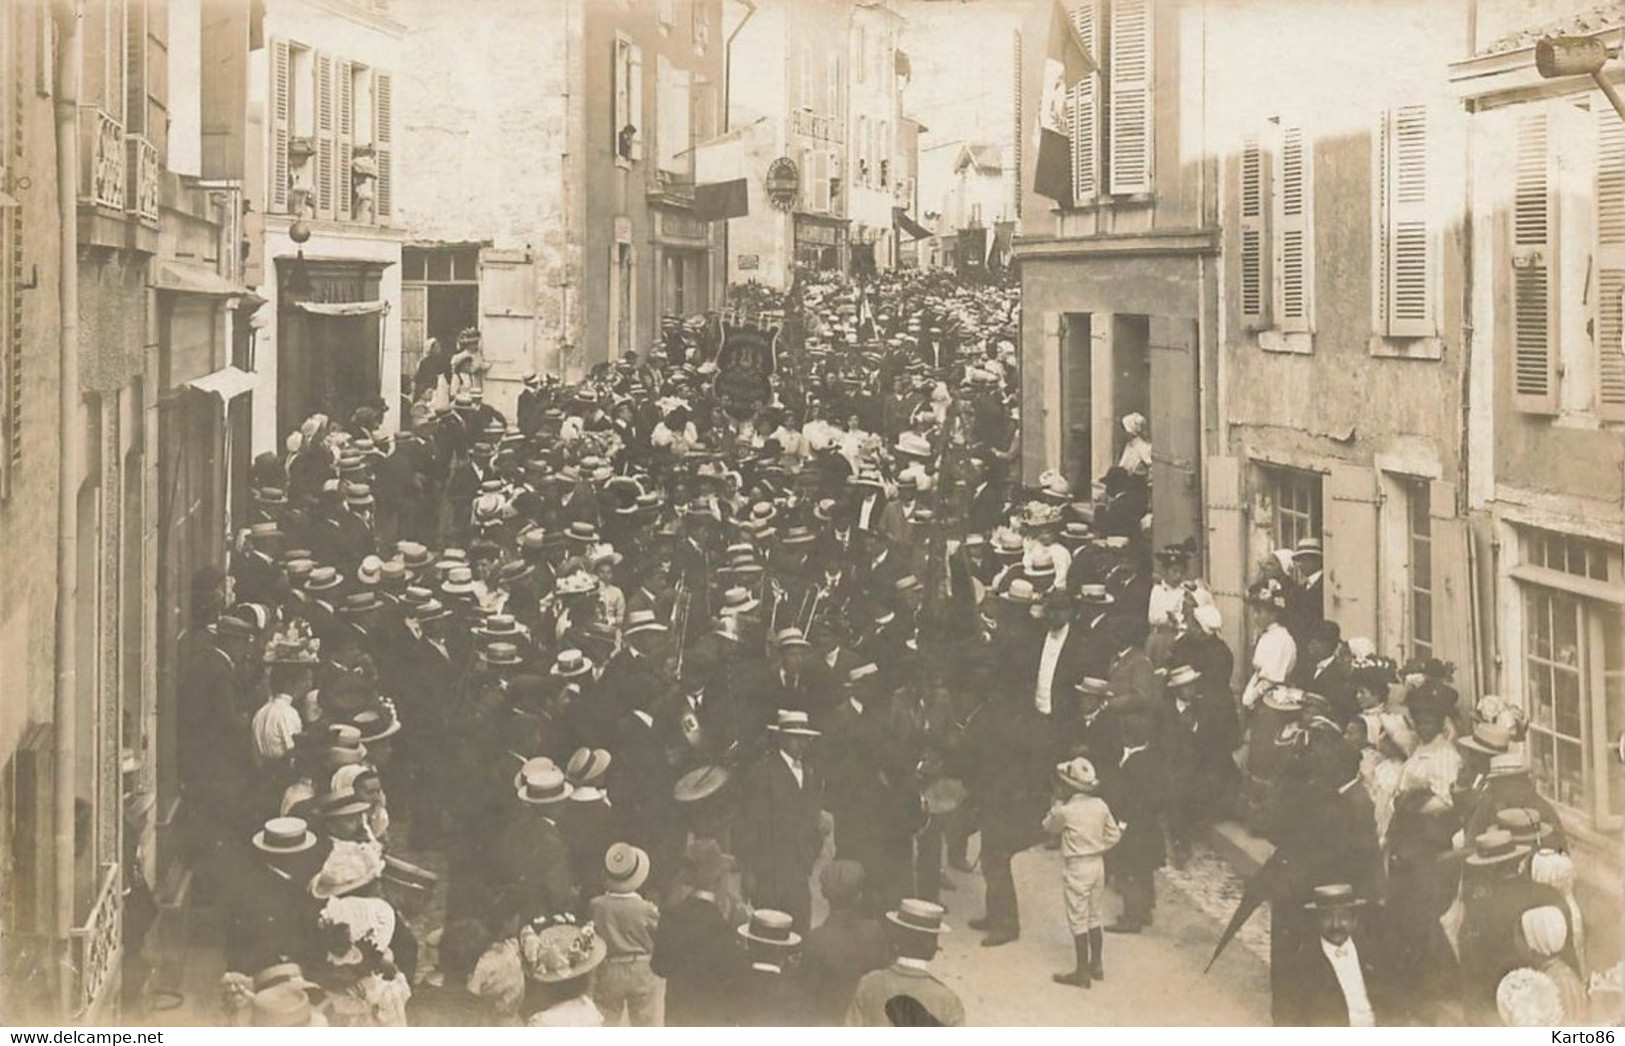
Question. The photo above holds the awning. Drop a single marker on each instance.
(342, 308)
(195, 279)
(228, 383)
(915, 230)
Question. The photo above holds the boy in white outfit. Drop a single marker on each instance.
(1087, 830)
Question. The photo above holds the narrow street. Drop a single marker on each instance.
(1154, 978)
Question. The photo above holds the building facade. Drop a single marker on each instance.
(1547, 434)
(1371, 304)
(507, 238)
(876, 74)
(88, 796)
(321, 174)
(794, 110)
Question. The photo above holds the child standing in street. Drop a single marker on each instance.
(627, 923)
(1087, 830)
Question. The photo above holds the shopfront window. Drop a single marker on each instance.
(1574, 672)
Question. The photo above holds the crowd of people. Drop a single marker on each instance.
(614, 681)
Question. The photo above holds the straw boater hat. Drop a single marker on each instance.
(1020, 592)
(790, 637)
(1495, 846)
(794, 723)
(1184, 675)
(284, 835)
(378, 723)
(771, 927)
(920, 916)
(543, 786)
(1334, 895)
(501, 654)
(1093, 687)
(699, 783)
(626, 867)
(1489, 739)
(587, 767)
(569, 664)
(639, 621)
(1095, 595)
(738, 600)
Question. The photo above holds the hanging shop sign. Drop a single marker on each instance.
(783, 183)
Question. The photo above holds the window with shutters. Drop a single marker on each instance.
(1293, 262)
(673, 111)
(1113, 109)
(296, 96)
(1609, 323)
(1405, 251)
(1084, 98)
(1129, 97)
(1018, 144)
(1254, 247)
(1534, 312)
(1275, 252)
(383, 138)
(626, 136)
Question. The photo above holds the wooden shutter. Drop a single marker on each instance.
(1453, 607)
(414, 324)
(1409, 253)
(1130, 90)
(1084, 98)
(383, 136)
(344, 190)
(326, 145)
(278, 190)
(1294, 253)
(1018, 141)
(1254, 234)
(634, 99)
(1350, 533)
(1224, 560)
(619, 91)
(1609, 340)
(1534, 356)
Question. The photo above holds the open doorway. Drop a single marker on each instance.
(1131, 375)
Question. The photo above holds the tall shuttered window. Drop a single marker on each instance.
(1406, 248)
(1018, 152)
(1255, 285)
(1085, 101)
(1534, 346)
(1609, 340)
(1293, 233)
(1129, 96)
(1112, 109)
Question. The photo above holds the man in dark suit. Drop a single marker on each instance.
(532, 857)
(985, 507)
(640, 780)
(1009, 756)
(269, 913)
(695, 949)
(779, 829)
(1325, 671)
(1055, 658)
(1339, 980)
(1135, 792)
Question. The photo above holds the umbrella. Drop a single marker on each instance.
(1269, 881)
